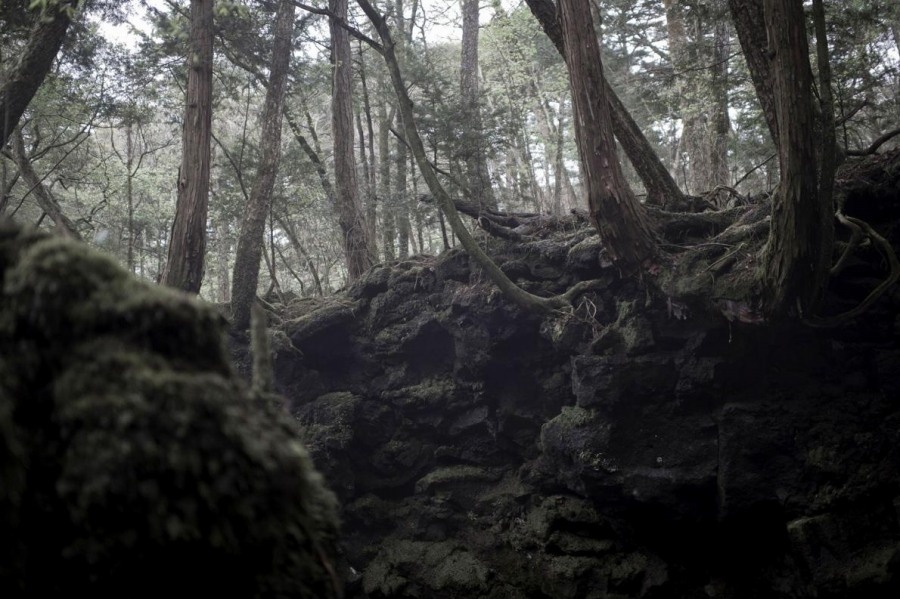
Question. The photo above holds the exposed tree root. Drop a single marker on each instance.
(856, 225)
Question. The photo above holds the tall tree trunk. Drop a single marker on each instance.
(750, 25)
(372, 195)
(798, 255)
(354, 232)
(618, 216)
(384, 174)
(720, 121)
(399, 204)
(661, 187)
(34, 63)
(473, 138)
(684, 64)
(129, 191)
(250, 241)
(701, 66)
(401, 200)
(187, 244)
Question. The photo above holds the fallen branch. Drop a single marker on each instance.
(875, 144)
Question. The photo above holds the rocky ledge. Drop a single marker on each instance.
(626, 449)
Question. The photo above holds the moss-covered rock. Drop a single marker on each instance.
(132, 462)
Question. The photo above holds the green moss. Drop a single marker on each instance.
(152, 470)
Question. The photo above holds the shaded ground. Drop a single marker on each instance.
(638, 447)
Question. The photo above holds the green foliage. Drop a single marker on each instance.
(151, 471)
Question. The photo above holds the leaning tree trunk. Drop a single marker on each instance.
(750, 26)
(34, 63)
(45, 200)
(661, 187)
(798, 254)
(614, 209)
(250, 241)
(350, 215)
(187, 244)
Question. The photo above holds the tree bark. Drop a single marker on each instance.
(750, 25)
(401, 200)
(384, 174)
(220, 230)
(615, 212)
(129, 191)
(798, 254)
(720, 121)
(473, 140)
(701, 66)
(372, 196)
(250, 241)
(355, 237)
(661, 187)
(187, 243)
(34, 64)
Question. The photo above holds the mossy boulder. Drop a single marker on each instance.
(133, 463)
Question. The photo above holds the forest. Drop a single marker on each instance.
(311, 174)
(564, 298)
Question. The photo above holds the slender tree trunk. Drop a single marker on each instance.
(548, 136)
(473, 139)
(354, 232)
(222, 251)
(720, 121)
(401, 200)
(372, 198)
(614, 210)
(384, 174)
(44, 198)
(187, 243)
(798, 255)
(129, 191)
(250, 241)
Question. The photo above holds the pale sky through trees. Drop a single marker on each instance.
(442, 25)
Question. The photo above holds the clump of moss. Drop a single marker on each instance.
(132, 462)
